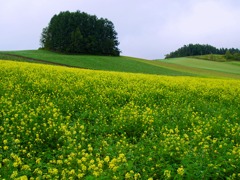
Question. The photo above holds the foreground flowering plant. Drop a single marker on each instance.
(66, 123)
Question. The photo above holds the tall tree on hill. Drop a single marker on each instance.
(80, 33)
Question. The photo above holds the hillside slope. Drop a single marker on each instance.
(121, 64)
(187, 66)
(202, 67)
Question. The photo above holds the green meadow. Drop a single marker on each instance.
(109, 63)
(225, 67)
(200, 66)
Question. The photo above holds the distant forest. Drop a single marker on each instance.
(199, 49)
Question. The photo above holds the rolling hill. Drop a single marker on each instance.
(109, 63)
(201, 66)
(230, 69)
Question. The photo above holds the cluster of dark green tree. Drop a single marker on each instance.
(232, 56)
(199, 49)
(80, 33)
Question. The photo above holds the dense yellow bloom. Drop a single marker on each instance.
(67, 123)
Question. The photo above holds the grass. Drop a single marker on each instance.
(204, 67)
(71, 123)
(109, 63)
(211, 57)
(11, 57)
(189, 66)
(234, 63)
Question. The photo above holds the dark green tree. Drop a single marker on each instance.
(198, 49)
(228, 55)
(80, 33)
(76, 42)
(236, 56)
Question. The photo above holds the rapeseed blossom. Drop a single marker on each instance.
(67, 123)
(180, 171)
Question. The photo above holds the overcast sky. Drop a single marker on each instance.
(146, 28)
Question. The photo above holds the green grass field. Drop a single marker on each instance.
(211, 57)
(109, 63)
(189, 66)
(203, 67)
(205, 64)
(71, 123)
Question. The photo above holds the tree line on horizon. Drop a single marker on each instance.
(80, 33)
(204, 49)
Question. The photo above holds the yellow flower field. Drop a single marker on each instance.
(66, 123)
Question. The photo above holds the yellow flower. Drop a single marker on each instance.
(92, 161)
(15, 164)
(17, 141)
(115, 168)
(37, 171)
(59, 162)
(22, 178)
(180, 171)
(14, 174)
(127, 175)
(26, 167)
(80, 175)
(95, 173)
(38, 160)
(71, 172)
(53, 171)
(137, 176)
(106, 159)
(167, 173)
(84, 168)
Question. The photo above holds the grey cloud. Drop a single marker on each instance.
(147, 29)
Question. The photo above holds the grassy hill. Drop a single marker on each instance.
(211, 57)
(109, 63)
(230, 69)
(204, 66)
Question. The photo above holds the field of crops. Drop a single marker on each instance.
(66, 123)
